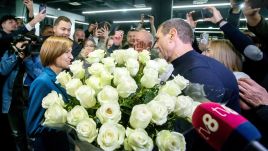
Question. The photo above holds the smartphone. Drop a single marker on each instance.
(201, 14)
(42, 6)
(147, 16)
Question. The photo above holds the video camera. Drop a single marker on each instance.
(33, 45)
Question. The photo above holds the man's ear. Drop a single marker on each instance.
(172, 33)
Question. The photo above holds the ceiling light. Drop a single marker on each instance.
(117, 10)
(50, 16)
(22, 17)
(75, 3)
(79, 22)
(129, 21)
(201, 6)
(139, 5)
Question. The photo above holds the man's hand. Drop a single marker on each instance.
(21, 46)
(118, 38)
(216, 15)
(252, 92)
(29, 5)
(190, 20)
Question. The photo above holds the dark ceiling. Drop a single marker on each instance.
(92, 5)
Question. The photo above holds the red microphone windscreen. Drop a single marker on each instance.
(215, 123)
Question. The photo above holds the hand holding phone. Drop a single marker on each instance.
(42, 7)
(201, 14)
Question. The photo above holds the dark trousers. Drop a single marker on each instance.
(16, 118)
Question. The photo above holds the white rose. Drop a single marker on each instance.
(131, 54)
(132, 66)
(86, 130)
(167, 100)
(95, 56)
(170, 141)
(140, 116)
(109, 112)
(159, 112)
(170, 88)
(194, 105)
(108, 95)
(86, 96)
(52, 98)
(63, 78)
(138, 140)
(184, 106)
(165, 75)
(119, 73)
(152, 64)
(72, 86)
(106, 78)
(109, 64)
(119, 56)
(150, 78)
(162, 63)
(111, 136)
(126, 87)
(55, 116)
(96, 69)
(94, 82)
(77, 69)
(144, 56)
(77, 114)
(181, 81)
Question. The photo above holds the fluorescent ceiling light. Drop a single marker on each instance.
(201, 6)
(117, 10)
(50, 16)
(139, 5)
(212, 28)
(79, 22)
(75, 3)
(128, 21)
(244, 19)
(22, 17)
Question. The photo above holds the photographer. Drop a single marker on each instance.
(14, 64)
(8, 29)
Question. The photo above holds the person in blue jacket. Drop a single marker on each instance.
(56, 55)
(14, 103)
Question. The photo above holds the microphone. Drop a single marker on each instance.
(224, 129)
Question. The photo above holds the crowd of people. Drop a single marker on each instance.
(232, 70)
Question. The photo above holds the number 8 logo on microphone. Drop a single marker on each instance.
(210, 123)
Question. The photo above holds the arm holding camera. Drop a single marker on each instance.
(9, 59)
(240, 41)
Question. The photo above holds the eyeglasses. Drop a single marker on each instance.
(155, 41)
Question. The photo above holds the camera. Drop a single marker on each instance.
(33, 45)
(201, 14)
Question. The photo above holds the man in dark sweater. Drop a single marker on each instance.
(174, 40)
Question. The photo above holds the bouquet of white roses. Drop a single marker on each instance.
(122, 101)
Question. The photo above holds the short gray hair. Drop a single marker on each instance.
(185, 32)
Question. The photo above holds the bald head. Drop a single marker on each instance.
(143, 40)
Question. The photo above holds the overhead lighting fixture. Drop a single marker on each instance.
(117, 10)
(75, 3)
(128, 21)
(212, 28)
(139, 5)
(79, 22)
(244, 19)
(22, 17)
(200, 6)
(50, 16)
